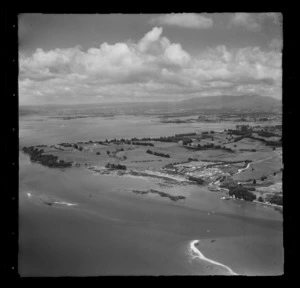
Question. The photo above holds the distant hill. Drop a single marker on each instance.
(245, 102)
(204, 104)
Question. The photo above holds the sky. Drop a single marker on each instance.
(101, 58)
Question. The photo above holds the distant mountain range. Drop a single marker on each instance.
(245, 102)
(221, 104)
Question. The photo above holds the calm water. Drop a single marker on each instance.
(114, 232)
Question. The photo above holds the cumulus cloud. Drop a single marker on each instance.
(185, 20)
(153, 68)
(254, 21)
(247, 20)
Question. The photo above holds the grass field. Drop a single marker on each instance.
(264, 162)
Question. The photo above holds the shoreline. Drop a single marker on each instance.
(169, 179)
(199, 255)
(44, 199)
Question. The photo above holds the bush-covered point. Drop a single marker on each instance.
(241, 192)
(276, 199)
(36, 155)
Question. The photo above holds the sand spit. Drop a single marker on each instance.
(44, 199)
(144, 174)
(195, 253)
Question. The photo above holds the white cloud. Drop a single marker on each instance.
(246, 20)
(152, 68)
(185, 20)
(254, 21)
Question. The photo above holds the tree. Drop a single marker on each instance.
(276, 199)
(260, 199)
(242, 193)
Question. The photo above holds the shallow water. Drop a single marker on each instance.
(44, 130)
(113, 231)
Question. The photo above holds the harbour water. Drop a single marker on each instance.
(114, 232)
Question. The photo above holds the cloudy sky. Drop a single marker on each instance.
(73, 59)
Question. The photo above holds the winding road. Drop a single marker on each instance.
(257, 161)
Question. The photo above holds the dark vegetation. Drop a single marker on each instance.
(66, 145)
(266, 134)
(260, 199)
(142, 144)
(242, 132)
(198, 180)
(36, 155)
(158, 154)
(242, 193)
(185, 134)
(248, 150)
(162, 194)
(209, 146)
(70, 145)
(115, 166)
(237, 190)
(266, 142)
(276, 199)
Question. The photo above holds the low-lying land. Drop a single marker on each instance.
(243, 163)
(212, 116)
(160, 193)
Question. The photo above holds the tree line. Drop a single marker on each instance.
(158, 154)
(36, 155)
(115, 166)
